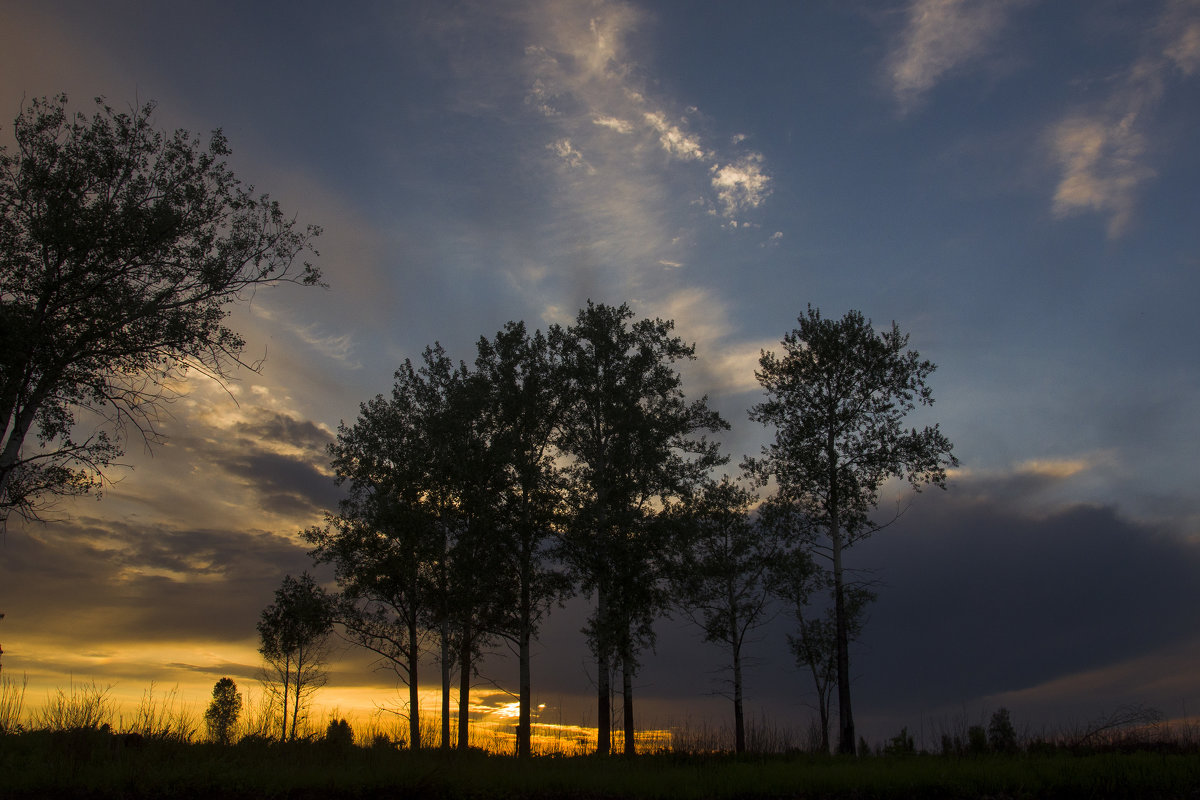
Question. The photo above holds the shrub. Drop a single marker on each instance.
(977, 740)
(339, 733)
(901, 744)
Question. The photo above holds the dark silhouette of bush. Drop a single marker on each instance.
(339, 734)
(901, 744)
(977, 740)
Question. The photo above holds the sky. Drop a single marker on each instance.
(1013, 182)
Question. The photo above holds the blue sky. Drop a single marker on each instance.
(1013, 182)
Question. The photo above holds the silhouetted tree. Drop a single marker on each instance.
(522, 374)
(416, 543)
(121, 249)
(797, 580)
(720, 575)
(385, 542)
(630, 438)
(222, 714)
(837, 398)
(294, 633)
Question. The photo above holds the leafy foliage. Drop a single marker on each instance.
(631, 439)
(121, 249)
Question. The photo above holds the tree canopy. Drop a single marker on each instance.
(837, 399)
(121, 250)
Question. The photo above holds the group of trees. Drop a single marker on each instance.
(571, 460)
(477, 496)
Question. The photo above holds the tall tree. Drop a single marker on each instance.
(121, 250)
(461, 496)
(629, 437)
(385, 542)
(720, 575)
(522, 375)
(415, 543)
(837, 399)
(294, 632)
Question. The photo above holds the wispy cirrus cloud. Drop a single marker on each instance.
(583, 79)
(941, 37)
(633, 166)
(1104, 150)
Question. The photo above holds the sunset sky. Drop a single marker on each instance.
(1016, 183)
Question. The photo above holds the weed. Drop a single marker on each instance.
(84, 706)
(12, 703)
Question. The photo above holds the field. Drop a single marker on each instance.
(88, 764)
(66, 750)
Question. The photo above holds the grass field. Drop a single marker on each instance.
(70, 748)
(87, 763)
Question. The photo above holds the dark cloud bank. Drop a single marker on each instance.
(976, 599)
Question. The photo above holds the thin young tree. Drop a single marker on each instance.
(799, 581)
(630, 438)
(122, 249)
(837, 399)
(294, 633)
(720, 575)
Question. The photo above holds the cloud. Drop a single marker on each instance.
(585, 83)
(612, 123)
(941, 36)
(724, 365)
(674, 140)
(978, 599)
(1103, 150)
(573, 158)
(741, 186)
(1179, 28)
(1059, 468)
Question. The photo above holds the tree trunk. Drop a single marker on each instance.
(287, 684)
(414, 697)
(739, 722)
(627, 695)
(464, 689)
(846, 738)
(603, 690)
(524, 721)
(445, 745)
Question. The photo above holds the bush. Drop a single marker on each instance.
(339, 733)
(901, 744)
(977, 740)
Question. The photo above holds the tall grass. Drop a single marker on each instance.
(162, 717)
(12, 703)
(85, 705)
